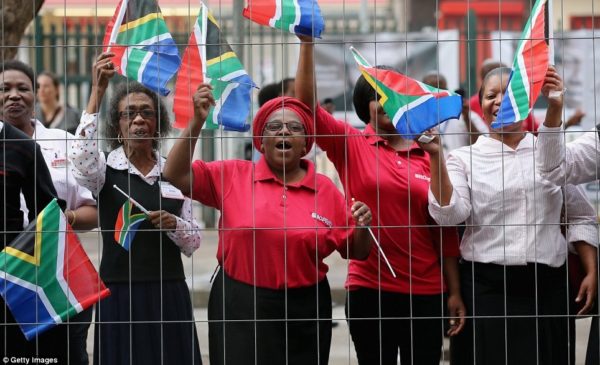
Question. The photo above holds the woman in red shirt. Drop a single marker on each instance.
(402, 314)
(271, 302)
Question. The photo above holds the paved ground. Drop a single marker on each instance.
(201, 266)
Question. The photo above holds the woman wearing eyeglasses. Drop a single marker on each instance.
(148, 318)
(270, 301)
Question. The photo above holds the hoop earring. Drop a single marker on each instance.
(119, 139)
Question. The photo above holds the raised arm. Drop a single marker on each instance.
(306, 90)
(578, 161)
(449, 193)
(88, 164)
(178, 165)
(440, 186)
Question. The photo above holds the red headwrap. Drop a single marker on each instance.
(283, 102)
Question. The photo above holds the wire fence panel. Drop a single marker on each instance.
(289, 206)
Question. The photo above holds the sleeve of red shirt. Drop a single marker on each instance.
(211, 180)
(331, 134)
(445, 240)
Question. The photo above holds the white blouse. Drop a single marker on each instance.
(512, 214)
(54, 145)
(89, 168)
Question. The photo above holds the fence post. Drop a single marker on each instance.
(38, 44)
(471, 56)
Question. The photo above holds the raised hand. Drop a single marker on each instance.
(434, 147)
(103, 70)
(203, 99)
(553, 87)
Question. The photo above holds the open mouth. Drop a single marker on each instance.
(139, 133)
(283, 145)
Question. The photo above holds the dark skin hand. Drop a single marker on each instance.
(162, 220)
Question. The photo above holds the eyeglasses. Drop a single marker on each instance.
(294, 127)
(130, 114)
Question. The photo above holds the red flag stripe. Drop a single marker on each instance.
(189, 78)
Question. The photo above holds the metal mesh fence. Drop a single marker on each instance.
(208, 245)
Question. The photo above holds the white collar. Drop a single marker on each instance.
(490, 145)
(119, 161)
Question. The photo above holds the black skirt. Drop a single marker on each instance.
(146, 323)
(520, 315)
(251, 325)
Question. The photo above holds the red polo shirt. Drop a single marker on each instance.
(271, 235)
(394, 184)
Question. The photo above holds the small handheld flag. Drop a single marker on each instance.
(294, 16)
(529, 68)
(127, 223)
(144, 49)
(209, 58)
(413, 106)
(138, 205)
(46, 276)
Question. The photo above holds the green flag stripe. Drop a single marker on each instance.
(288, 15)
(223, 68)
(396, 102)
(44, 276)
(126, 230)
(48, 263)
(135, 60)
(143, 32)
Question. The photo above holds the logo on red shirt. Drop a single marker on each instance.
(322, 219)
(423, 177)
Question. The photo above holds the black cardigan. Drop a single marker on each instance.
(22, 169)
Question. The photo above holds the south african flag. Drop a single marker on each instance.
(144, 49)
(293, 16)
(127, 224)
(46, 276)
(413, 106)
(529, 67)
(209, 58)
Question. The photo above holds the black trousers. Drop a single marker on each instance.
(250, 325)
(520, 315)
(78, 333)
(383, 323)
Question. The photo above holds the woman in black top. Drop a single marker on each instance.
(148, 318)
